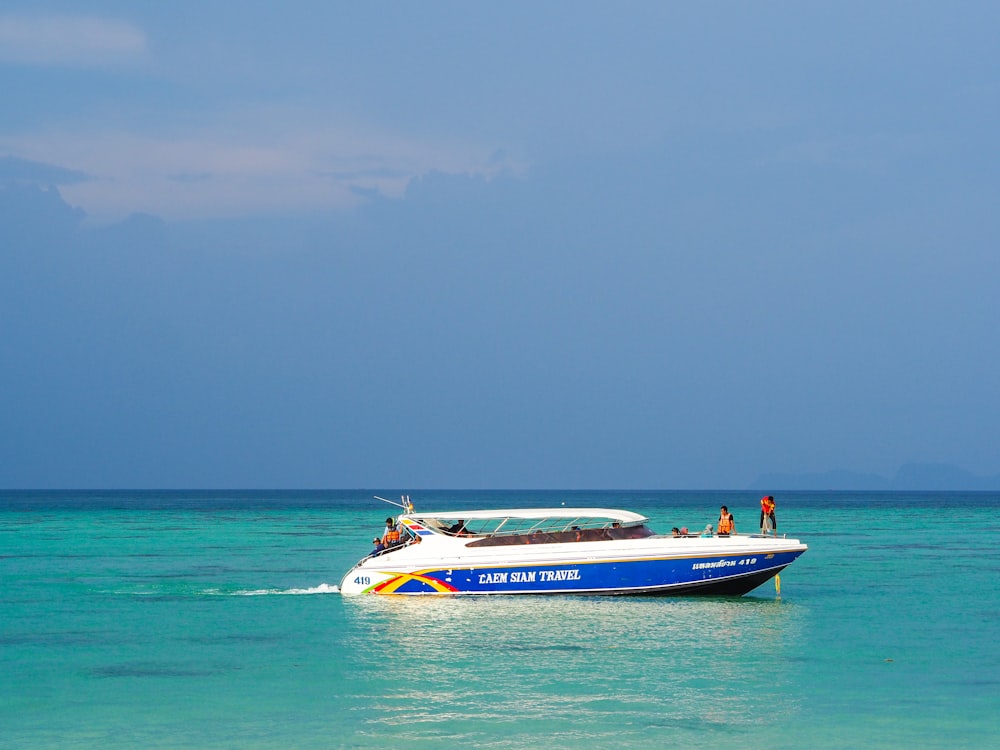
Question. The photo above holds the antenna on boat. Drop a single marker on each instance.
(406, 505)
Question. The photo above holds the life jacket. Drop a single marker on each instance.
(725, 524)
(391, 537)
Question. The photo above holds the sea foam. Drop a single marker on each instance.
(323, 588)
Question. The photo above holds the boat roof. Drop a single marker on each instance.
(612, 514)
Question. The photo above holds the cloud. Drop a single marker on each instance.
(227, 170)
(68, 40)
(14, 171)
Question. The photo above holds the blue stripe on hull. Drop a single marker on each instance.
(724, 575)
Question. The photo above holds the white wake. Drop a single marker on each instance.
(323, 588)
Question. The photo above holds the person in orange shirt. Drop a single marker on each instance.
(768, 522)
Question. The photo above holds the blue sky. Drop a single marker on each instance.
(552, 244)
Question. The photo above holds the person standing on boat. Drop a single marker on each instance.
(727, 524)
(768, 522)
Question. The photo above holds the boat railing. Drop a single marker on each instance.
(384, 551)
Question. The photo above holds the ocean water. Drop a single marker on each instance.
(212, 620)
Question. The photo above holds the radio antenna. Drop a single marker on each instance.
(406, 505)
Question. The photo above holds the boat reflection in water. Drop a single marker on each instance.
(562, 551)
(616, 671)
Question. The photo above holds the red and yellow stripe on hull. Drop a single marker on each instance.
(390, 585)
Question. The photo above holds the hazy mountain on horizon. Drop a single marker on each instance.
(909, 477)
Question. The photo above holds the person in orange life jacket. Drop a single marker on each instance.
(391, 536)
(727, 524)
(767, 519)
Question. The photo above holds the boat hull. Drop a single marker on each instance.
(732, 574)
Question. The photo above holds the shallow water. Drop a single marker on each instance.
(204, 620)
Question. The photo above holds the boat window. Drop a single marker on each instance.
(500, 530)
(540, 535)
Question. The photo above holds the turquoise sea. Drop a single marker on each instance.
(212, 620)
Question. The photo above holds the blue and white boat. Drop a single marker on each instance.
(563, 551)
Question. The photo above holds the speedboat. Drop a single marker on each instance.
(562, 551)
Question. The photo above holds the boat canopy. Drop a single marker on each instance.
(610, 514)
(524, 522)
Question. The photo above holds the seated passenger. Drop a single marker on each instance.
(457, 529)
(391, 537)
(707, 531)
(378, 546)
(675, 531)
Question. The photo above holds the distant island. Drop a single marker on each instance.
(910, 477)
